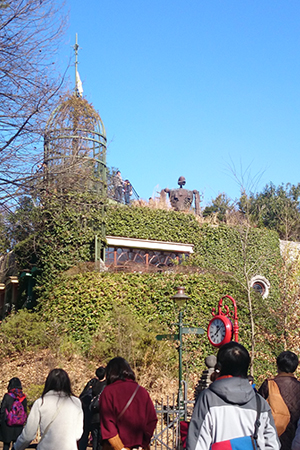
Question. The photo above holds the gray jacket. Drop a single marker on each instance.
(227, 410)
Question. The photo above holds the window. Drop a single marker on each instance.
(261, 285)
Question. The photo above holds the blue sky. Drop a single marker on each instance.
(193, 88)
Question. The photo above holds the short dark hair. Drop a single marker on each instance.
(14, 383)
(58, 380)
(287, 362)
(233, 359)
(118, 369)
(100, 372)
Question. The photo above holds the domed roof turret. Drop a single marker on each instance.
(75, 146)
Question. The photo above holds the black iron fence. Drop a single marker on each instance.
(167, 432)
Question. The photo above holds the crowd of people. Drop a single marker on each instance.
(113, 407)
(232, 414)
(122, 189)
(119, 414)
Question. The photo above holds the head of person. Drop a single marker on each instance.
(250, 379)
(233, 359)
(14, 383)
(287, 362)
(58, 380)
(100, 373)
(118, 369)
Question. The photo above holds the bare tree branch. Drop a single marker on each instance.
(30, 32)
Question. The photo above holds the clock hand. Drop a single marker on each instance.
(218, 329)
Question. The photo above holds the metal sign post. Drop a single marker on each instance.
(182, 329)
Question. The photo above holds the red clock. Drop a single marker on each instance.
(219, 331)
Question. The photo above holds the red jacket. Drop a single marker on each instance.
(136, 425)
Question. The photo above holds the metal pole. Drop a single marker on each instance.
(96, 248)
(180, 397)
(76, 47)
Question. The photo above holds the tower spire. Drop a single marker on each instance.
(78, 84)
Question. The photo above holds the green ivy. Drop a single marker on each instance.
(83, 302)
(65, 238)
(156, 224)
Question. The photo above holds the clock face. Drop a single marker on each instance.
(219, 331)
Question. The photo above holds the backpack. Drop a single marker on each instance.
(243, 442)
(17, 414)
(280, 411)
(94, 405)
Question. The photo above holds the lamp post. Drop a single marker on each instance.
(180, 298)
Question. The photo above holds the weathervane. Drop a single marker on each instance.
(78, 84)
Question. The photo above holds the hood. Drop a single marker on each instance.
(233, 390)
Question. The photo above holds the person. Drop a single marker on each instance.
(10, 433)
(58, 413)
(127, 192)
(251, 382)
(296, 440)
(93, 386)
(127, 414)
(289, 388)
(227, 409)
(94, 407)
(118, 186)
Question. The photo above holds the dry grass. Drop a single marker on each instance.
(232, 217)
(33, 367)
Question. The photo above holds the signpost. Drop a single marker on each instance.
(182, 329)
(162, 337)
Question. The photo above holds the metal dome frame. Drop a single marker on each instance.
(75, 147)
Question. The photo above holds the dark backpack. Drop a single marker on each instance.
(17, 414)
(94, 405)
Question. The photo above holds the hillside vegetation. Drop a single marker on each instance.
(99, 315)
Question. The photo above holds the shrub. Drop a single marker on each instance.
(22, 330)
(33, 392)
(122, 332)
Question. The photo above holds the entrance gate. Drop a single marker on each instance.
(167, 432)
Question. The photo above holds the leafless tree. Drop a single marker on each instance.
(30, 32)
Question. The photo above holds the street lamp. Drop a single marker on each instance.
(180, 298)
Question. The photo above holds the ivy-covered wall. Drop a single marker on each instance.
(229, 249)
(64, 236)
(86, 305)
(146, 223)
(223, 258)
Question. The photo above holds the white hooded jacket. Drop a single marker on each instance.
(60, 416)
(228, 410)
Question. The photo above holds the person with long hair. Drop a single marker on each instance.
(57, 412)
(10, 433)
(127, 414)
